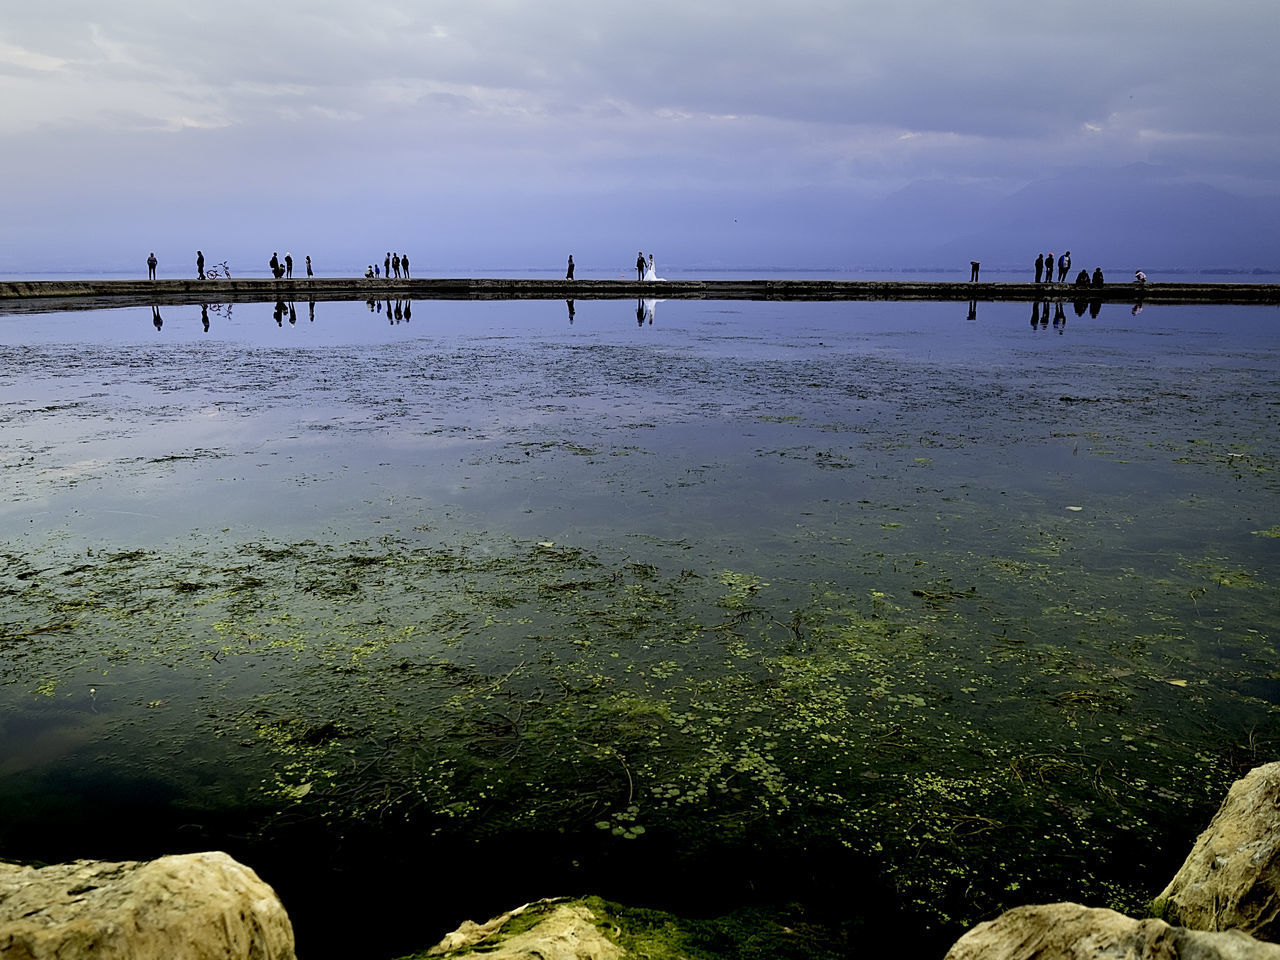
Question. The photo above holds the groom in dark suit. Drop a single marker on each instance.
(640, 266)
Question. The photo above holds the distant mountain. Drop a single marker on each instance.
(1139, 216)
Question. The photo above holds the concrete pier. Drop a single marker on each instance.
(49, 295)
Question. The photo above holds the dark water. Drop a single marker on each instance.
(865, 612)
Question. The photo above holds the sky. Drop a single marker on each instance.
(489, 134)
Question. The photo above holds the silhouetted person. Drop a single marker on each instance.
(309, 273)
(274, 264)
(1081, 305)
(1039, 266)
(151, 266)
(1139, 278)
(569, 304)
(640, 312)
(369, 274)
(395, 264)
(1082, 278)
(1059, 317)
(1035, 313)
(155, 317)
(204, 316)
(1064, 265)
(199, 265)
(569, 272)
(404, 264)
(1048, 268)
(293, 314)
(279, 313)
(408, 307)
(311, 311)
(973, 270)
(1097, 276)
(640, 268)
(1095, 306)
(386, 266)
(288, 265)
(973, 310)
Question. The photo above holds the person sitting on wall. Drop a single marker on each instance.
(1082, 278)
(1097, 276)
(1139, 277)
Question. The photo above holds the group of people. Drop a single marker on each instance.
(285, 270)
(394, 267)
(1045, 264)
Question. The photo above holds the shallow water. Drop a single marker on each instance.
(952, 610)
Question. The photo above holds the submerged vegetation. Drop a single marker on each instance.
(956, 747)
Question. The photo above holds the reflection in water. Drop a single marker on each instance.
(1035, 314)
(279, 313)
(569, 304)
(155, 317)
(973, 308)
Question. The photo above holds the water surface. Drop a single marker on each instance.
(932, 607)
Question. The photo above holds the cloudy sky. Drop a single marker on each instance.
(492, 133)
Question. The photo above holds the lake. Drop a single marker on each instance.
(858, 615)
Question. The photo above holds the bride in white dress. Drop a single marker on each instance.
(649, 272)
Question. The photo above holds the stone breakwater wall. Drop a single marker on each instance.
(43, 295)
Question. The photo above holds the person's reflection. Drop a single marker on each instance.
(204, 316)
(640, 313)
(1137, 309)
(1035, 314)
(155, 317)
(1080, 307)
(408, 310)
(973, 310)
(1094, 307)
(293, 314)
(369, 302)
(399, 311)
(1059, 317)
(279, 313)
(311, 310)
(569, 304)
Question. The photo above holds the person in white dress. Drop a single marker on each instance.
(650, 273)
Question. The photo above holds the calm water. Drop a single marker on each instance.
(465, 604)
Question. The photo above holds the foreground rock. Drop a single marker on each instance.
(559, 931)
(198, 906)
(1231, 879)
(1068, 931)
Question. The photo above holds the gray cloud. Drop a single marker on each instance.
(289, 101)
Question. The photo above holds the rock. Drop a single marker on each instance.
(1068, 931)
(197, 906)
(1231, 878)
(561, 931)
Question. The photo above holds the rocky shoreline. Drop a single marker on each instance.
(49, 295)
(1223, 904)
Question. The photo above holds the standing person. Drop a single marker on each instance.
(386, 266)
(309, 273)
(1064, 265)
(395, 264)
(1039, 266)
(199, 265)
(404, 264)
(288, 264)
(569, 273)
(973, 271)
(1048, 268)
(640, 266)
(151, 266)
(274, 264)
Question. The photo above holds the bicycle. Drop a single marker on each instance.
(218, 271)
